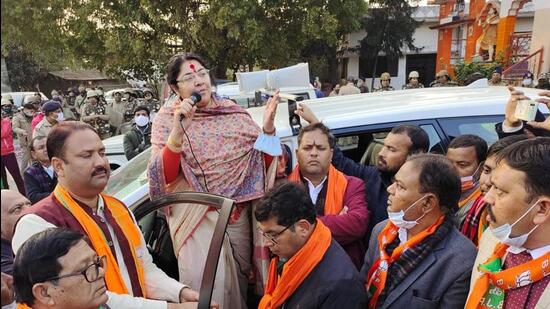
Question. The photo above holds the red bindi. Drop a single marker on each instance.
(192, 67)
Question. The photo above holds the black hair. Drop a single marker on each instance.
(37, 260)
(419, 138)
(174, 65)
(142, 108)
(321, 127)
(289, 202)
(532, 157)
(437, 175)
(470, 140)
(59, 134)
(504, 142)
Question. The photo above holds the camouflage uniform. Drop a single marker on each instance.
(411, 86)
(129, 110)
(102, 126)
(153, 105)
(382, 88)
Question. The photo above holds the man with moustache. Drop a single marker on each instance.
(475, 223)
(78, 158)
(402, 141)
(514, 270)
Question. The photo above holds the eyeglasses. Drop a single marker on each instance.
(90, 273)
(191, 77)
(273, 237)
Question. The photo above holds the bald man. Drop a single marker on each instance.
(13, 204)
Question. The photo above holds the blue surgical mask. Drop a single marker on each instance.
(398, 218)
(502, 233)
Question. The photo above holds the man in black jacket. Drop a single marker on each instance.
(39, 178)
(139, 138)
(402, 141)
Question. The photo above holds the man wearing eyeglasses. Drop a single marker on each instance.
(133, 280)
(310, 269)
(339, 199)
(57, 268)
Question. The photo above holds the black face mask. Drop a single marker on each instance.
(7, 109)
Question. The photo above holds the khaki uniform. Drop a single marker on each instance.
(500, 83)
(21, 125)
(411, 86)
(42, 128)
(78, 104)
(116, 115)
(389, 88)
(102, 126)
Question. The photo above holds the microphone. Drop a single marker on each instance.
(195, 97)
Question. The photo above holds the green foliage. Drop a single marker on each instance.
(464, 69)
(24, 72)
(137, 37)
(390, 28)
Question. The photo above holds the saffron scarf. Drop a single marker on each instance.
(489, 289)
(113, 277)
(296, 270)
(470, 198)
(377, 275)
(337, 184)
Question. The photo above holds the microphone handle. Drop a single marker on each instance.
(194, 102)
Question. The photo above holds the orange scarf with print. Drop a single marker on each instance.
(337, 184)
(510, 278)
(296, 270)
(379, 270)
(113, 277)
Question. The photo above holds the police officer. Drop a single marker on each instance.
(496, 78)
(131, 103)
(413, 81)
(443, 79)
(80, 101)
(150, 102)
(543, 82)
(94, 113)
(385, 80)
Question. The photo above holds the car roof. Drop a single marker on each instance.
(399, 106)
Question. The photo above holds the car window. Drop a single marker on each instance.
(130, 177)
(435, 141)
(482, 126)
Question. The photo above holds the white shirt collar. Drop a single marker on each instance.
(535, 253)
(48, 170)
(315, 190)
(403, 235)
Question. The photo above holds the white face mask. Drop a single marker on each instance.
(468, 182)
(398, 218)
(527, 81)
(60, 117)
(502, 233)
(141, 120)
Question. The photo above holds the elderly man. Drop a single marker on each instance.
(310, 269)
(512, 268)
(467, 153)
(94, 113)
(13, 204)
(53, 114)
(40, 179)
(402, 141)
(21, 125)
(58, 269)
(418, 259)
(349, 87)
(339, 199)
(78, 158)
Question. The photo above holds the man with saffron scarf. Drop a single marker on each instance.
(514, 271)
(467, 153)
(310, 269)
(78, 158)
(418, 259)
(339, 199)
(476, 220)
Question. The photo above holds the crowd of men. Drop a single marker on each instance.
(468, 229)
(351, 85)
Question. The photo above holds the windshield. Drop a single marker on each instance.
(129, 177)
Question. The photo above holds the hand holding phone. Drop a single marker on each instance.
(526, 110)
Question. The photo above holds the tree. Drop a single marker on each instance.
(24, 72)
(390, 27)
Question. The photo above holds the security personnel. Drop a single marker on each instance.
(150, 102)
(413, 81)
(94, 113)
(131, 103)
(443, 79)
(385, 80)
